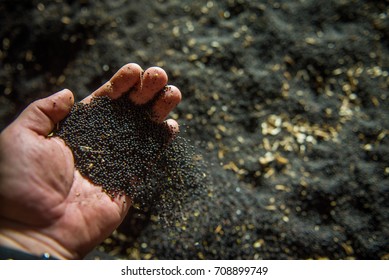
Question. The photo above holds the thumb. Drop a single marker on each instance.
(42, 115)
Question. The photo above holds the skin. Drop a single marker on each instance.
(46, 206)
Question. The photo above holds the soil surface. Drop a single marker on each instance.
(286, 101)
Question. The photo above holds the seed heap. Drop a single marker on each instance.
(117, 146)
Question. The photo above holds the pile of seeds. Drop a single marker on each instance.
(117, 146)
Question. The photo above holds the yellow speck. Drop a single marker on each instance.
(385, 257)
(347, 248)
(189, 116)
(218, 229)
(310, 41)
(259, 243)
(66, 20)
(368, 147)
(282, 188)
(281, 160)
(147, 256)
(201, 256)
(271, 207)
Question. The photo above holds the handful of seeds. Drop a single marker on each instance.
(117, 146)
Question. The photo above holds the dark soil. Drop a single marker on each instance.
(287, 101)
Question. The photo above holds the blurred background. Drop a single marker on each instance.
(288, 101)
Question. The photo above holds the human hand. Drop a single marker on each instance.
(46, 206)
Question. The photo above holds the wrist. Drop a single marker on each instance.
(7, 253)
(32, 241)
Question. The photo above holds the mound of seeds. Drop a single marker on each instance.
(117, 146)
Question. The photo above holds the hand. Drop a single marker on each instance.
(46, 206)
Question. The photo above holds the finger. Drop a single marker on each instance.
(152, 82)
(166, 102)
(173, 126)
(121, 82)
(41, 115)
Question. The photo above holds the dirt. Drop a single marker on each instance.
(287, 102)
